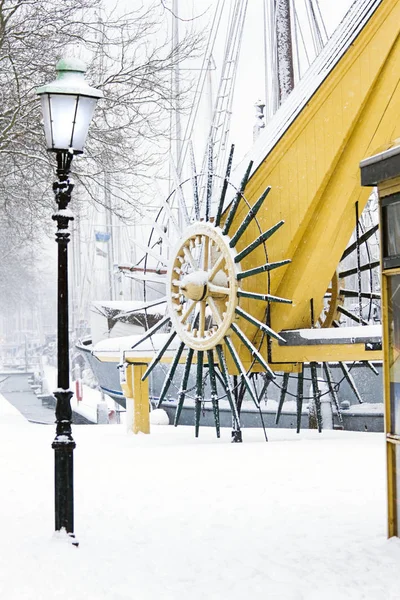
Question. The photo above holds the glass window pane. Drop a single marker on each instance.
(393, 288)
(84, 115)
(391, 231)
(62, 115)
(397, 487)
(47, 120)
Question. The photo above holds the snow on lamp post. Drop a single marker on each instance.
(68, 105)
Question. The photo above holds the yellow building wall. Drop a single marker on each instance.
(314, 172)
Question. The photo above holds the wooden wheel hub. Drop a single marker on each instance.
(202, 286)
(194, 285)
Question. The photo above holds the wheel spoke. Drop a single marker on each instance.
(257, 323)
(199, 390)
(241, 369)
(188, 312)
(236, 201)
(202, 321)
(214, 309)
(162, 233)
(252, 349)
(224, 188)
(171, 373)
(206, 252)
(351, 315)
(153, 253)
(284, 388)
(249, 217)
(363, 238)
(316, 395)
(350, 381)
(300, 397)
(218, 289)
(189, 257)
(158, 356)
(182, 391)
(217, 267)
(227, 384)
(214, 392)
(152, 330)
(332, 390)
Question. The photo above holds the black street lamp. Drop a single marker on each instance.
(68, 105)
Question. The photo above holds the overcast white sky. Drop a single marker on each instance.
(251, 67)
(250, 84)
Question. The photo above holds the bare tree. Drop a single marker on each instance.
(17, 269)
(133, 63)
(130, 58)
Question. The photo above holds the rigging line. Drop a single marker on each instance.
(221, 154)
(232, 11)
(314, 29)
(238, 49)
(312, 32)
(299, 29)
(222, 108)
(202, 76)
(321, 20)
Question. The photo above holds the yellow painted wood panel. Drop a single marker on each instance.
(141, 407)
(387, 188)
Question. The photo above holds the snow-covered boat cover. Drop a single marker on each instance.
(359, 334)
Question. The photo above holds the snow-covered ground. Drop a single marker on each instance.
(169, 517)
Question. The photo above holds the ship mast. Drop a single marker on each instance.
(284, 49)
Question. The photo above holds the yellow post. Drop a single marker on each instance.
(141, 408)
(136, 393)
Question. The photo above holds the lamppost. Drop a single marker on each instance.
(68, 105)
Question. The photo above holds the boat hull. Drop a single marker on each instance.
(358, 417)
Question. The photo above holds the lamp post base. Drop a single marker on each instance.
(63, 446)
(65, 538)
(64, 483)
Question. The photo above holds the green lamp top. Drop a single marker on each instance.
(70, 64)
(70, 80)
